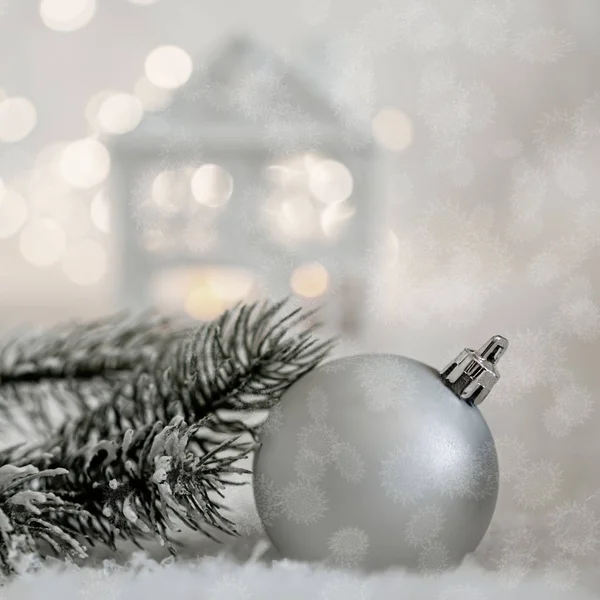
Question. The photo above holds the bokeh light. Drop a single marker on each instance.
(202, 303)
(120, 113)
(292, 216)
(92, 108)
(212, 185)
(310, 280)
(17, 119)
(48, 158)
(152, 97)
(392, 129)
(168, 67)
(85, 163)
(13, 212)
(330, 181)
(334, 216)
(67, 15)
(42, 242)
(84, 262)
(231, 285)
(212, 290)
(170, 190)
(100, 212)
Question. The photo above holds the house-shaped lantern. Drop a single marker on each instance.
(245, 186)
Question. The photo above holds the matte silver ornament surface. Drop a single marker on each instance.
(376, 460)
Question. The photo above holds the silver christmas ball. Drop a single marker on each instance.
(378, 460)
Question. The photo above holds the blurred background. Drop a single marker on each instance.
(426, 172)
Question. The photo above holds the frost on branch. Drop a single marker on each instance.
(28, 519)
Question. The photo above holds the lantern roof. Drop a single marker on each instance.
(246, 92)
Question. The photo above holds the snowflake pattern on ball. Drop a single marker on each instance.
(308, 466)
(424, 526)
(348, 546)
(348, 462)
(318, 404)
(452, 470)
(386, 383)
(434, 558)
(303, 502)
(404, 475)
(267, 498)
(319, 439)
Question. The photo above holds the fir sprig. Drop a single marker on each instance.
(126, 473)
(78, 364)
(228, 369)
(27, 518)
(131, 488)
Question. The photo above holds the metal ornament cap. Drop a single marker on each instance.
(472, 374)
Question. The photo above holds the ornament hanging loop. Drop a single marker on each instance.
(472, 374)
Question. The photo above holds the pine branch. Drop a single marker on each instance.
(79, 364)
(228, 369)
(131, 487)
(26, 519)
(237, 365)
(213, 379)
